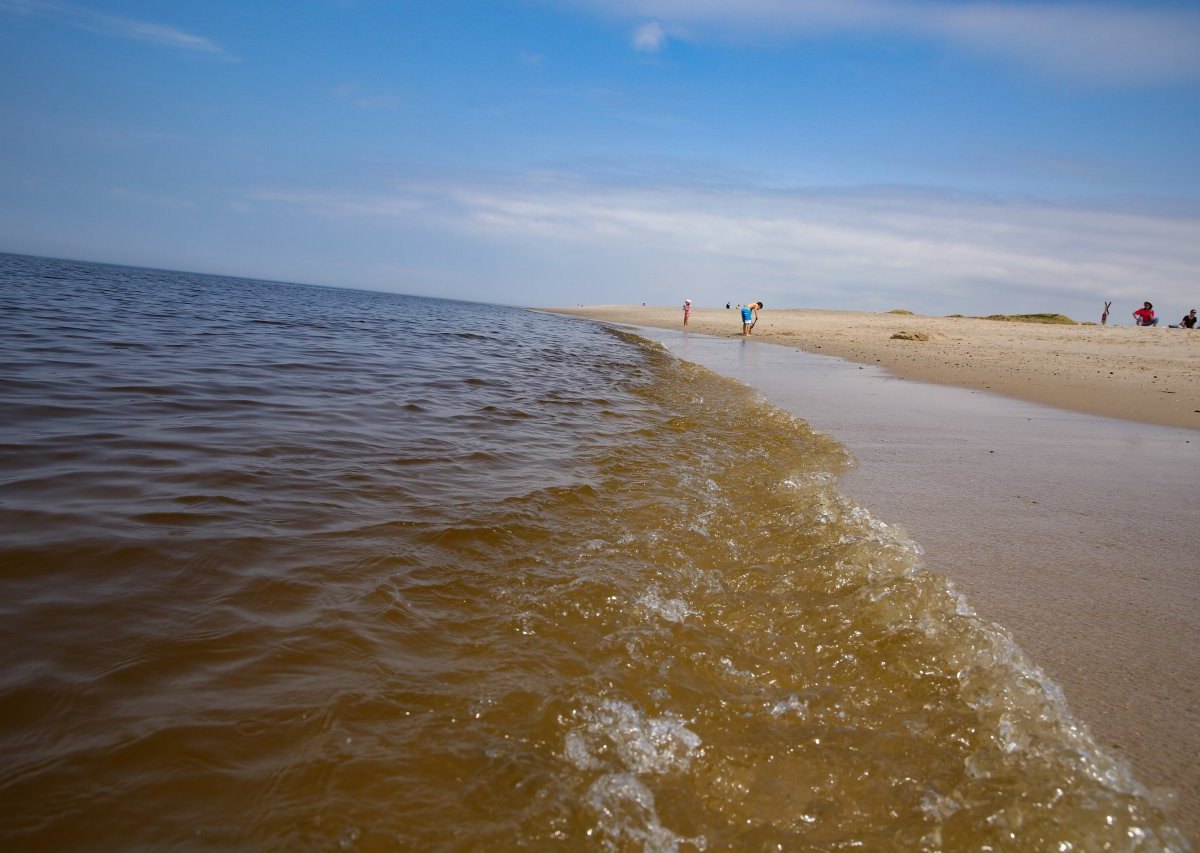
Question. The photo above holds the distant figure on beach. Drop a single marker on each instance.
(1104, 316)
(687, 310)
(1144, 316)
(1188, 321)
(726, 306)
(750, 317)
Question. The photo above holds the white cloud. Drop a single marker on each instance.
(115, 26)
(868, 248)
(649, 38)
(1113, 42)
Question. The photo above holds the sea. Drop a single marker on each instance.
(286, 567)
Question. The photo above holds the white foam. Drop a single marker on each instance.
(670, 609)
(628, 816)
(618, 737)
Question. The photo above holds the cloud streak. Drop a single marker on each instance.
(1101, 43)
(851, 248)
(113, 26)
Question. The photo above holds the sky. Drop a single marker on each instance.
(941, 156)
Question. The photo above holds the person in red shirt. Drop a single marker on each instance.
(1145, 316)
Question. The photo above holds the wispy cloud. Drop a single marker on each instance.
(337, 205)
(353, 94)
(1123, 42)
(151, 199)
(114, 26)
(1083, 42)
(833, 248)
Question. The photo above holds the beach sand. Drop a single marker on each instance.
(1150, 375)
(1075, 527)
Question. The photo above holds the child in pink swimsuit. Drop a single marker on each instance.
(687, 310)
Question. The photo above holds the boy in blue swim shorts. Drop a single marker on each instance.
(750, 316)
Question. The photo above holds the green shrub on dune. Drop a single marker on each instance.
(1056, 319)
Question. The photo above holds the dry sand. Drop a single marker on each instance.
(1078, 534)
(1142, 374)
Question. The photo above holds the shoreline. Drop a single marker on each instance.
(1072, 532)
(1148, 375)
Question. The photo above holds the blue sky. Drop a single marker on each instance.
(945, 156)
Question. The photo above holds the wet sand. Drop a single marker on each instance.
(1076, 533)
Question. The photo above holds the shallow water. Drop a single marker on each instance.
(297, 567)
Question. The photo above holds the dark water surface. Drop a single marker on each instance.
(290, 567)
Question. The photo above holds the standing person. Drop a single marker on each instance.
(687, 310)
(1144, 316)
(750, 317)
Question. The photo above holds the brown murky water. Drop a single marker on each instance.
(288, 567)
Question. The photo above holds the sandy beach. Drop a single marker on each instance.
(1074, 532)
(1119, 371)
